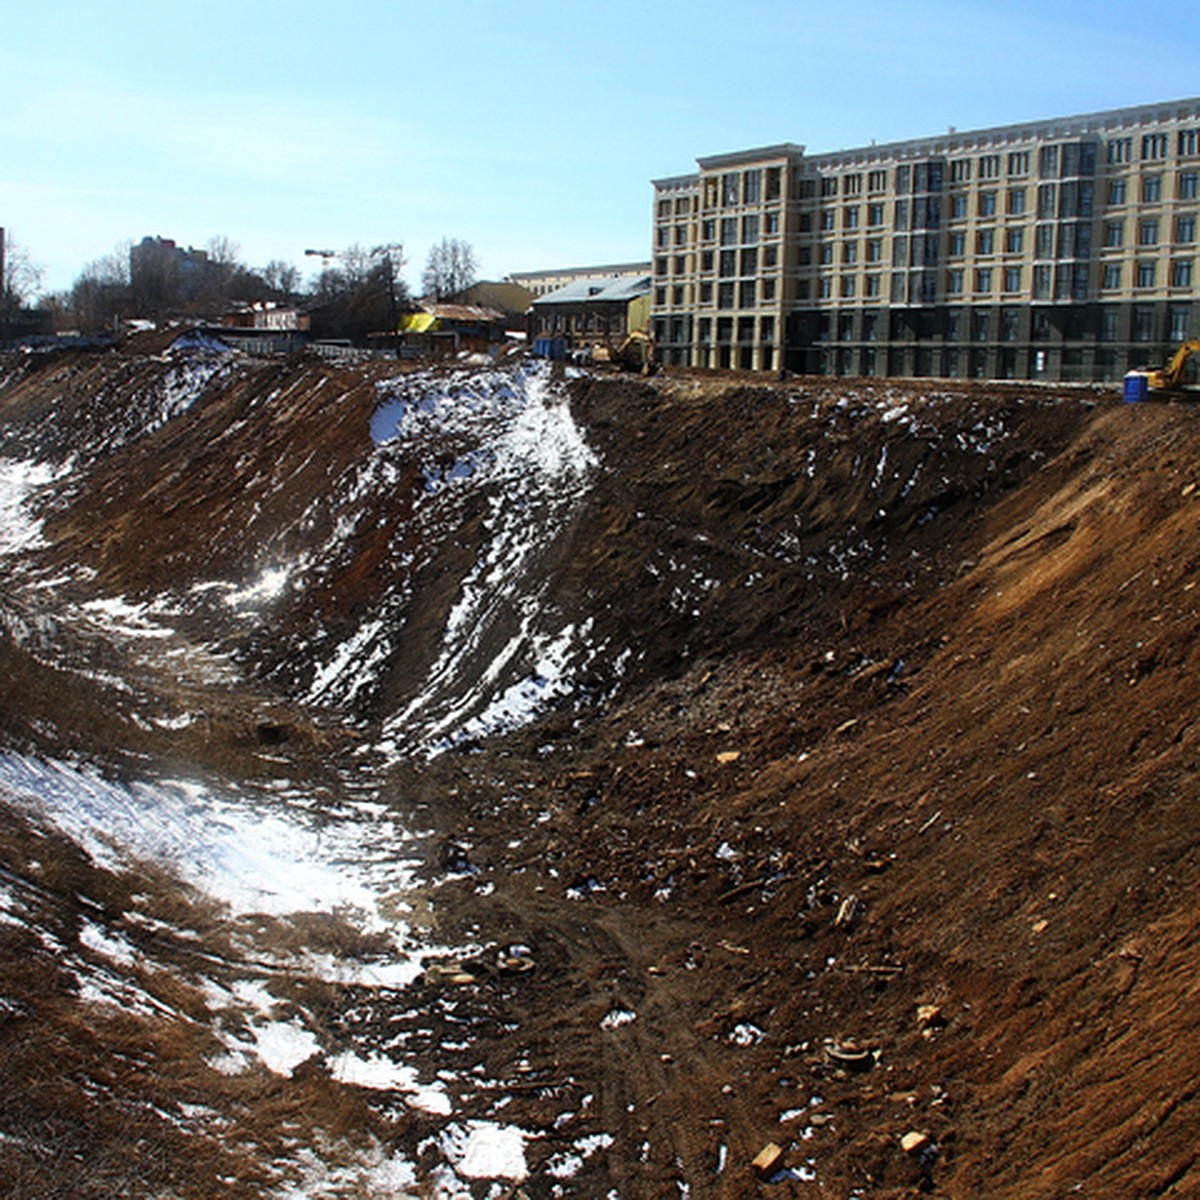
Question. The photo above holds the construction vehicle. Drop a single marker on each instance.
(1172, 379)
(634, 353)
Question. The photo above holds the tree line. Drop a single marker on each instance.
(357, 291)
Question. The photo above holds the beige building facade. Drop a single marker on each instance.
(1062, 249)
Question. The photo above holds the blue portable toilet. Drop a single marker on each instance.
(1137, 386)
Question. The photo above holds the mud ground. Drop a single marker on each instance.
(888, 829)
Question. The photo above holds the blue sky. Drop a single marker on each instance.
(530, 130)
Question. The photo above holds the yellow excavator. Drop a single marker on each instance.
(1172, 379)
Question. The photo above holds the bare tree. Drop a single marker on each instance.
(20, 279)
(102, 292)
(450, 269)
(282, 278)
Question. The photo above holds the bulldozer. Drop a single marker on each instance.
(1171, 380)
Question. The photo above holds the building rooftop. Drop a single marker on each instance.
(620, 288)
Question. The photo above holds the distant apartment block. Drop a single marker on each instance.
(542, 283)
(1061, 249)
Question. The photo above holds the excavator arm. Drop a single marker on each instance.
(1168, 378)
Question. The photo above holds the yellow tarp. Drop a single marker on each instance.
(418, 322)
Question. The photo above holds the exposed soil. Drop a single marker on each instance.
(886, 825)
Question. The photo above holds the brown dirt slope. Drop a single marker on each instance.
(979, 799)
(884, 821)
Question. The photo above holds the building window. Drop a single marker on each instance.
(768, 290)
(1012, 279)
(1145, 274)
(900, 252)
(989, 166)
(1109, 323)
(1114, 233)
(875, 250)
(1120, 150)
(874, 214)
(706, 293)
(829, 186)
(729, 231)
(904, 180)
(1044, 247)
(662, 237)
(956, 246)
(983, 279)
(749, 261)
(1188, 188)
(1177, 321)
(747, 294)
(985, 242)
(752, 187)
(1117, 190)
(1181, 273)
(1047, 195)
(749, 230)
(1148, 231)
(704, 330)
(876, 181)
(725, 295)
(1185, 227)
(1010, 322)
(1016, 201)
(848, 285)
(826, 254)
(772, 223)
(1042, 276)
(1154, 146)
(987, 204)
(960, 170)
(1014, 239)
(954, 281)
(660, 300)
(850, 217)
(852, 185)
(729, 190)
(1151, 189)
(774, 182)
(1188, 142)
(897, 288)
(1143, 324)
(1111, 279)
(900, 215)
(872, 285)
(828, 218)
(958, 206)
(706, 260)
(1018, 162)
(728, 262)
(770, 256)
(826, 288)
(979, 325)
(676, 299)
(681, 235)
(680, 265)
(660, 266)
(1048, 162)
(850, 252)
(708, 230)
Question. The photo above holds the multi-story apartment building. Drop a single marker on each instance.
(1058, 249)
